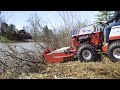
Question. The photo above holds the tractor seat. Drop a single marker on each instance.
(64, 49)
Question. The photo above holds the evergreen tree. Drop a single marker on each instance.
(104, 15)
(4, 28)
(24, 28)
(47, 32)
(10, 31)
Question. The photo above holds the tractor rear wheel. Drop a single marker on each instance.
(86, 53)
(114, 51)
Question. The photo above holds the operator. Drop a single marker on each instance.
(116, 18)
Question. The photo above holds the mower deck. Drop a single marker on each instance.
(59, 55)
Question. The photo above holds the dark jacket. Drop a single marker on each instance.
(115, 17)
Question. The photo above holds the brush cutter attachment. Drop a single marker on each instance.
(59, 55)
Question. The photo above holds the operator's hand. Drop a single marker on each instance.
(104, 22)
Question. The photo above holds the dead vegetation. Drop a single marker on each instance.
(13, 63)
(76, 70)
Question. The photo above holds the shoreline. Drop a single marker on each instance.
(15, 41)
(6, 40)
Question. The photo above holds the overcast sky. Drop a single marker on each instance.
(19, 18)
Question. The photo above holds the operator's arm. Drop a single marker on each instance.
(113, 17)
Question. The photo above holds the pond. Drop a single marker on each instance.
(31, 46)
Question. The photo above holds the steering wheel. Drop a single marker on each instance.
(103, 24)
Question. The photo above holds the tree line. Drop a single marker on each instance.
(104, 15)
(10, 32)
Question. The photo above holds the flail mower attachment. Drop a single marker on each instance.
(59, 55)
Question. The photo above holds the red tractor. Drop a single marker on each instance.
(88, 41)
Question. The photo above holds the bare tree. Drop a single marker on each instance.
(70, 20)
(35, 25)
(6, 17)
(61, 34)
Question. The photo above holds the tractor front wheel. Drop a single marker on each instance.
(86, 52)
(114, 51)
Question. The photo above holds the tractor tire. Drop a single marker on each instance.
(114, 51)
(86, 53)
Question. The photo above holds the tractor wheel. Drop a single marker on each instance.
(86, 53)
(114, 51)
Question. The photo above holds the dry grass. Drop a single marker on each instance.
(76, 70)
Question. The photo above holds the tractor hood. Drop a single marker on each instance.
(93, 28)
